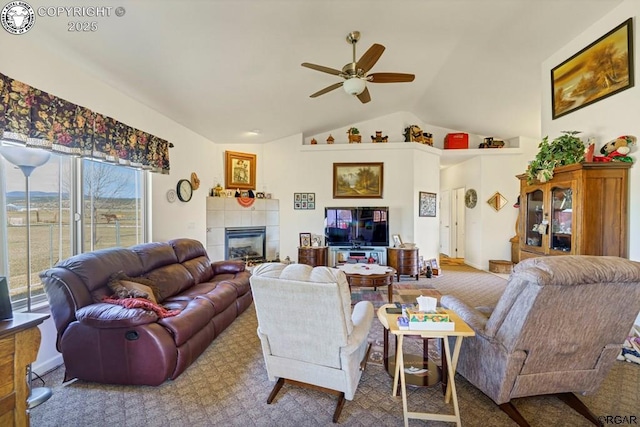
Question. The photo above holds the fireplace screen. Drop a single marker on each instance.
(245, 243)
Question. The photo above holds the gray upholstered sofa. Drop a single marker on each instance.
(556, 329)
(109, 343)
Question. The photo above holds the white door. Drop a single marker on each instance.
(457, 226)
(445, 223)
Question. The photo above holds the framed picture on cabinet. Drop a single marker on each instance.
(305, 240)
(397, 241)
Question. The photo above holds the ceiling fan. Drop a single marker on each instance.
(355, 73)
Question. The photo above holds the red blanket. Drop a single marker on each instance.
(145, 304)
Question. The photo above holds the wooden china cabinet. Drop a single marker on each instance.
(582, 210)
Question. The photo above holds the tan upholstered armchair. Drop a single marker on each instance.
(557, 329)
(309, 333)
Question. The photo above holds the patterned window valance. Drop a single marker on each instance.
(39, 119)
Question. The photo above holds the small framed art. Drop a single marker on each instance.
(305, 240)
(428, 202)
(397, 241)
(304, 201)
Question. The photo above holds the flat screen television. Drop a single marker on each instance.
(356, 226)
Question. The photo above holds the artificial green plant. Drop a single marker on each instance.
(566, 149)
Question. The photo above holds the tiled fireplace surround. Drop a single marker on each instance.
(223, 212)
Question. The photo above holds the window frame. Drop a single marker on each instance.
(77, 222)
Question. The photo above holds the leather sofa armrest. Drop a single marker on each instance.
(476, 319)
(110, 316)
(227, 267)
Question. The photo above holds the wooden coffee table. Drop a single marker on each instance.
(369, 276)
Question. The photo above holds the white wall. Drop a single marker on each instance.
(192, 153)
(487, 232)
(408, 168)
(605, 119)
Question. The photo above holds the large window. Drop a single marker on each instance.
(109, 213)
(113, 208)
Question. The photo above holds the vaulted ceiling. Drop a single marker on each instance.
(224, 68)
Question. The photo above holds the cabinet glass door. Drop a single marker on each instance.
(534, 217)
(561, 218)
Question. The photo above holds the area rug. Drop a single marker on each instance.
(475, 287)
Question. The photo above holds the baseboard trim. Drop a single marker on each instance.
(48, 365)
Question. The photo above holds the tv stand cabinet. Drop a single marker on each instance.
(339, 255)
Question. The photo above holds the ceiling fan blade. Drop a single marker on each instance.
(325, 90)
(321, 68)
(370, 57)
(390, 77)
(365, 97)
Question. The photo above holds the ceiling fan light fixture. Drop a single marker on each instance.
(354, 86)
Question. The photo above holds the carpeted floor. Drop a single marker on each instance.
(228, 386)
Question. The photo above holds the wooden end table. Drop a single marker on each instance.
(359, 276)
(404, 260)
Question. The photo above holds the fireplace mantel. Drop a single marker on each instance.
(223, 212)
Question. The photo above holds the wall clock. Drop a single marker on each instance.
(171, 195)
(470, 198)
(184, 190)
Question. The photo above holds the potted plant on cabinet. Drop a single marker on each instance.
(566, 149)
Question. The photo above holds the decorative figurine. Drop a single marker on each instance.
(313, 141)
(354, 135)
(330, 139)
(379, 137)
(413, 133)
(217, 190)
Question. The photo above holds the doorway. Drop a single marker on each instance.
(457, 223)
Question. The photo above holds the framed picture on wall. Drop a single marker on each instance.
(602, 69)
(240, 170)
(304, 201)
(427, 204)
(357, 180)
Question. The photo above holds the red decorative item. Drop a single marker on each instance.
(456, 141)
(588, 155)
(245, 202)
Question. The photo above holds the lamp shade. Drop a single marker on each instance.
(27, 159)
(354, 86)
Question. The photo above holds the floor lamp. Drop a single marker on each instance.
(27, 159)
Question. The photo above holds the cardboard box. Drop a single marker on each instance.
(426, 316)
(456, 141)
(432, 326)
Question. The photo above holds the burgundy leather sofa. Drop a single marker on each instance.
(108, 343)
